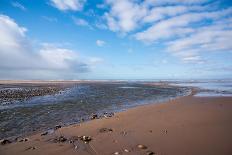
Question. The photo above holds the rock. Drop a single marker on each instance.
(107, 115)
(45, 133)
(30, 148)
(126, 150)
(102, 130)
(116, 153)
(140, 146)
(86, 139)
(57, 127)
(22, 139)
(94, 116)
(5, 141)
(60, 139)
(150, 153)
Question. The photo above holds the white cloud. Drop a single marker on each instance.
(65, 5)
(124, 15)
(81, 22)
(170, 2)
(178, 25)
(18, 55)
(187, 28)
(100, 43)
(18, 5)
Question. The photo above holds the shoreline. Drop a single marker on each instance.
(173, 127)
(100, 113)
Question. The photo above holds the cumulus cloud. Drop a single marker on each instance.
(185, 27)
(65, 5)
(100, 43)
(18, 54)
(124, 15)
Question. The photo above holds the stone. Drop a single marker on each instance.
(94, 116)
(102, 130)
(116, 153)
(22, 139)
(57, 127)
(86, 139)
(60, 139)
(150, 153)
(126, 150)
(45, 133)
(5, 141)
(30, 148)
(140, 146)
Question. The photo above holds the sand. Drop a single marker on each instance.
(184, 126)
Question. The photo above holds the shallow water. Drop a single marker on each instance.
(212, 88)
(77, 102)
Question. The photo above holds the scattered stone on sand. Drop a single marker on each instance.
(116, 153)
(124, 133)
(165, 131)
(107, 115)
(86, 139)
(45, 133)
(94, 116)
(61, 139)
(57, 127)
(126, 150)
(22, 139)
(103, 130)
(30, 148)
(5, 141)
(140, 146)
(150, 153)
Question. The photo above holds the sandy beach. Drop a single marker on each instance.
(185, 126)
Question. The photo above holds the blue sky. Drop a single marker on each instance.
(115, 39)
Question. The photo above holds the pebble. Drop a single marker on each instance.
(22, 139)
(45, 133)
(94, 116)
(150, 153)
(102, 130)
(31, 148)
(60, 139)
(116, 153)
(140, 146)
(86, 139)
(57, 127)
(126, 150)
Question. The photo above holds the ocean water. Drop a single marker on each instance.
(212, 88)
(79, 102)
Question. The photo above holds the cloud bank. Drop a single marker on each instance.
(19, 55)
(187, 28)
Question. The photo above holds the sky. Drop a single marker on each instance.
(115, 39)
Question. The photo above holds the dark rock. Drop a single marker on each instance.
(22, 139)
(94, 116)
(57, 127)
(30, 148)
(61, 139)
(150, 153)
(106, 115)
(102, 130)
(5, 141)
(45, 133)
(86, 139)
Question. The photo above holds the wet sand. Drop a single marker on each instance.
(184, 126)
